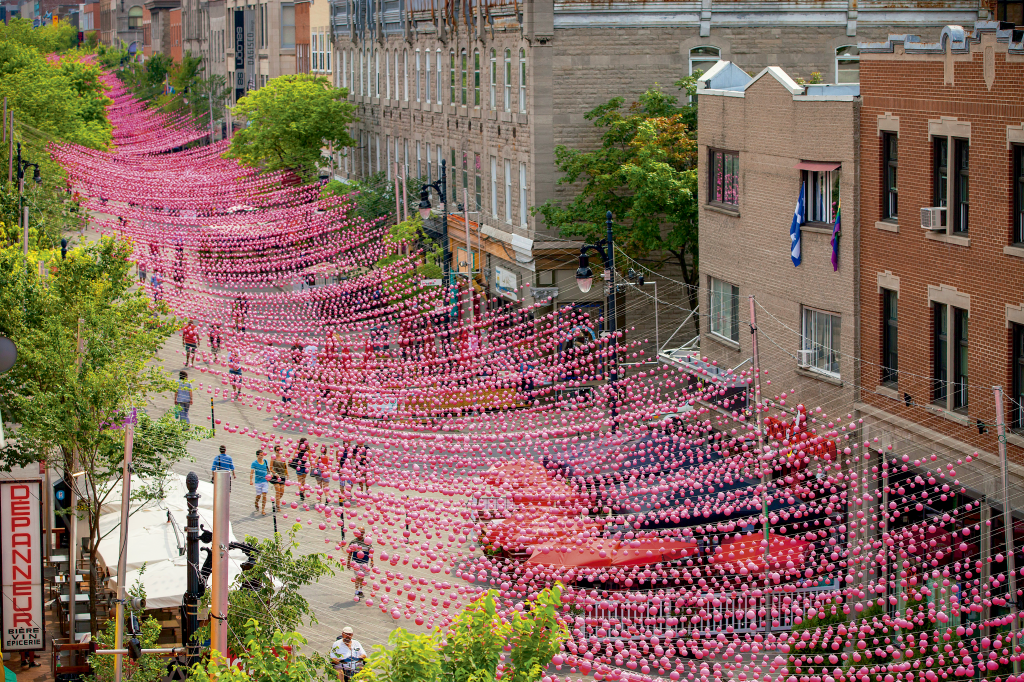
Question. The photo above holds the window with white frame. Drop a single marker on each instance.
(387, 74)
(494, 186)
(376, 74)
(419, 161)
(522, 81)
(387, 154)
(405, 75)
(821, 196)
(508, 191)
(847, 64)
(426, 81)
(438, 78)
(522, 194)
(419, 76)
(430, 172)
(314, 39)
(819, 347)
(724, 300)
(703, 58)
(508, 80)
(327, 51)
(494, 78)
(287, 25)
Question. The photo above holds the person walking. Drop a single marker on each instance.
(280, 470)
(360, 559)
(258, 476)
(183, 398)
(300, 462)
(235, 373)
(347, 655)
(215, 340)
(223, 462)
(190, 338)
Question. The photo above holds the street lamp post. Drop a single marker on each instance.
(585, 279)
(22, 209)
(441, 187)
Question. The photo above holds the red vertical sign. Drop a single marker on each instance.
(21, 565)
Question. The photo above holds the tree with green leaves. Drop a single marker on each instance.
(86, 340)
(289, 122)
(59, 37)
(266, 655)
(644, 172)
(472, 648)
(270, 591)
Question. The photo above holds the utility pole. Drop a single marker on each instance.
(73, 507)
(1008, 546)
(219, 577)
(122, 558)
(761, 459)
(193, 593)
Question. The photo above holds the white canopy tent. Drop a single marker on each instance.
(165, 581)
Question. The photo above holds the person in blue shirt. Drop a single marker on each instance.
(222, 462)
(258, 476)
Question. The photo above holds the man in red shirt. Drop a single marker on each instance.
(190, 337)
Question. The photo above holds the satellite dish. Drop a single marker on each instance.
(8, 354)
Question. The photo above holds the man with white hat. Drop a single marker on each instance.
(347, 655)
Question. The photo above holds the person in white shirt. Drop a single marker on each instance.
(347, 655)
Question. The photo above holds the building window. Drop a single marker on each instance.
(847, 64)
(890, 156)
(890, 337)
(426, 82)
(1018, 195)
(949, 388)
(418, 76)
(508, 191)
(439, 81)
(362, 73)
(1011, 11)
(703, 58)
(453, 183)
(325, 41)
(940, 174)
(135, 17)
(387, 151)
(387, 75)
(1018, 376)
(494, 187)
(723, 178)
(377, 151)
(263, 25)
(820, 346)
(464, 64)
(376, 74)
(465, 180)
(405, 155)
(522, 81)
(961, 192)
(494, 78)
(287, 25)
(508, 80)
(725, 310)
(476, 78)
(430, 174)
(479, 183)
(522, 194)
(405, 75)
(451, 59)
(821, 189)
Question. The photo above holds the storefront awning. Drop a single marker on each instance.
(818, 165)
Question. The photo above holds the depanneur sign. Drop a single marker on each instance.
(21, 565)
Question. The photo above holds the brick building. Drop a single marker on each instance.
(942, 242)
(493, 86)
(765, 143)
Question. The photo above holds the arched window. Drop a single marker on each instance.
(398, 89)
(135, 17)
(419, 77)
(508, 79)
(405, 75)
(522, 80)
(494, 78)
(362, 72)
(439, 79)
(451, 59)
(376, 78)
(703, 58)
(464, 63)
(387, 74)
(847, 64)
(427, 82)
(476, 78)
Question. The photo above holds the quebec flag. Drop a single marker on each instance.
(794, 229)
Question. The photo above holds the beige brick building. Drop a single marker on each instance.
(765, 144)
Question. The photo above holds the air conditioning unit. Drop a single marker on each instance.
(934, 218)
(804, 358)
